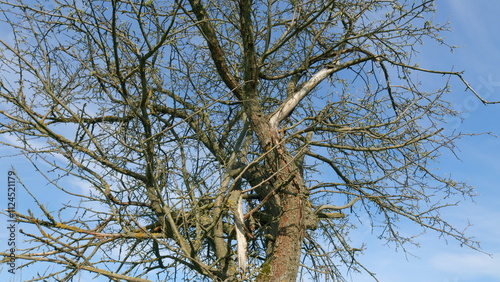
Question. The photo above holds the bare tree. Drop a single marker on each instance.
(224, 140)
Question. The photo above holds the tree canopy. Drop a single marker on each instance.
(224, 140)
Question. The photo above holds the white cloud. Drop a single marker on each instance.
(472, 24)
(471, 265)
(85, 188)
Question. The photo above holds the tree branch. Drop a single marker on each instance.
(337, 208)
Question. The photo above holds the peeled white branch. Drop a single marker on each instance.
(240, 235)
(287, 107)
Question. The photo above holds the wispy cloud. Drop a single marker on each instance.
(470, 29)
(468, 265)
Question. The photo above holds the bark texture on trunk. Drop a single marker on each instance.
(286, 208)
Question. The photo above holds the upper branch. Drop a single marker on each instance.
(250, 74)
(216, 51)
(287, 107)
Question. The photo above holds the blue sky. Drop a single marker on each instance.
(475, 27)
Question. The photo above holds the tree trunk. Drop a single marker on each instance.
(284, 253)
(286, 206)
